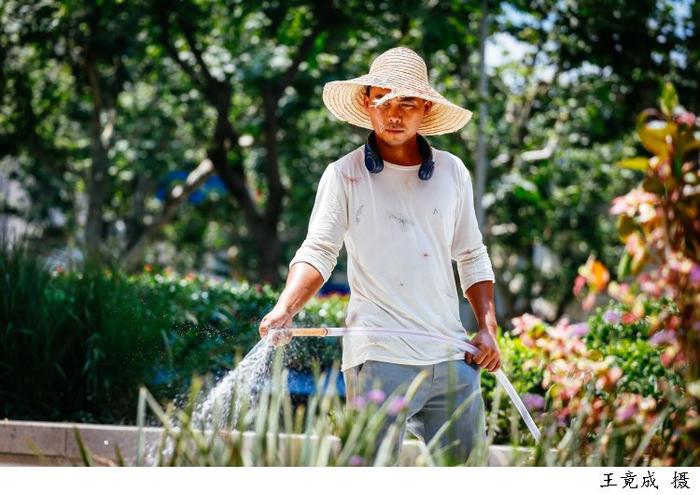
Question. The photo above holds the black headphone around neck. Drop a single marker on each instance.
(375, 163)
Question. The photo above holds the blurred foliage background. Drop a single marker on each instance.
(192, 134)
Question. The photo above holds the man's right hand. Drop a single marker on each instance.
(277, 318)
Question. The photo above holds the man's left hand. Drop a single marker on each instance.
(488, 357)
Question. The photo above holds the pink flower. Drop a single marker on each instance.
(377, 396)
(651, 287)
(588, 302)
(579, 284)
(356, 460)
(695, 275)
(533, 401)
(358, 402)
(686, 118)
(397, 405)
(578, 329)
(625, 413)
(611, 316)
(525, 323)
(614, 374)
(661, 337)
(630, 203)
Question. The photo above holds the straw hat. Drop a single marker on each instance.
(404, 72)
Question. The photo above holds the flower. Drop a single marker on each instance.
(625, 413)
(525, 323)
(621, 292)
(596, 276)
(358, 402)
(588, 301)
(377, 396)
(397, 405)
(686, 118)
(356, 460)
(611, 316)
(533, 401)
(632, 202)
(629, 318)
(662, 337)
(695, 275)
(615, 374)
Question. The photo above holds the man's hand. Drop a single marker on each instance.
(489, 356)
(277, 318)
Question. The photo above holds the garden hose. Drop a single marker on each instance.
(281, 336)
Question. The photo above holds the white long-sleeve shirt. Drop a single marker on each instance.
(400, 233)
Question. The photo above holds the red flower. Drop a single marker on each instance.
(629, 318)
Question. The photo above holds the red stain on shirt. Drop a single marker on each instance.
(350, 179)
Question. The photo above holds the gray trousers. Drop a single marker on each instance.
(447, 386)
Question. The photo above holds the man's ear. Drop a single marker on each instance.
(428, 106)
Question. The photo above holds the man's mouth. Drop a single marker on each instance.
(394, 130)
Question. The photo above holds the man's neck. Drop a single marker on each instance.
(406, 154)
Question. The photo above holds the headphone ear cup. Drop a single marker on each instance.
(369, 161)
(426, 170)
(373, 161)
(428, 167)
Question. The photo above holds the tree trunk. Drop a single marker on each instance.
(97, 176)
(481, 158)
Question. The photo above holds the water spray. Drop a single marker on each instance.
(282, 336)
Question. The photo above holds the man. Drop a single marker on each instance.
(404, 211)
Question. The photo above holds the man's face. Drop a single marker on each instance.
(397, 120)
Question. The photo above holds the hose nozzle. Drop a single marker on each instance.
(283, 336)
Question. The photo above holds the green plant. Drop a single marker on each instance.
(326, 433)
(76, 345)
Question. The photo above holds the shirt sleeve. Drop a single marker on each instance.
(327, 225)
(468, 249)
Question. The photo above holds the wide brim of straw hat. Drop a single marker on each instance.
(345, 100)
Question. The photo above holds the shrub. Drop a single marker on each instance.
(77, 345)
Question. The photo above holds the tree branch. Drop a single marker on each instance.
(188, 31)
(301, 54)
(167, 42)
(176, 197)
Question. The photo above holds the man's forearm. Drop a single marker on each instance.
(303, 282)
(480, 296)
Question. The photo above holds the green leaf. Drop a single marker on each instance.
(84, 452)
(654, 134)
(636, 163)
(669, 99)
(623, 268)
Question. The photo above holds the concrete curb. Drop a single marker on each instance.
(37, 443)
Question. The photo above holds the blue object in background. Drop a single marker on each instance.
(212, 184)
(303, 383)
(333, 287)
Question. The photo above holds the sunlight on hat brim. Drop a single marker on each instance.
(344, 99)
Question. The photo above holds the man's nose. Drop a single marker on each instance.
(394, 115)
